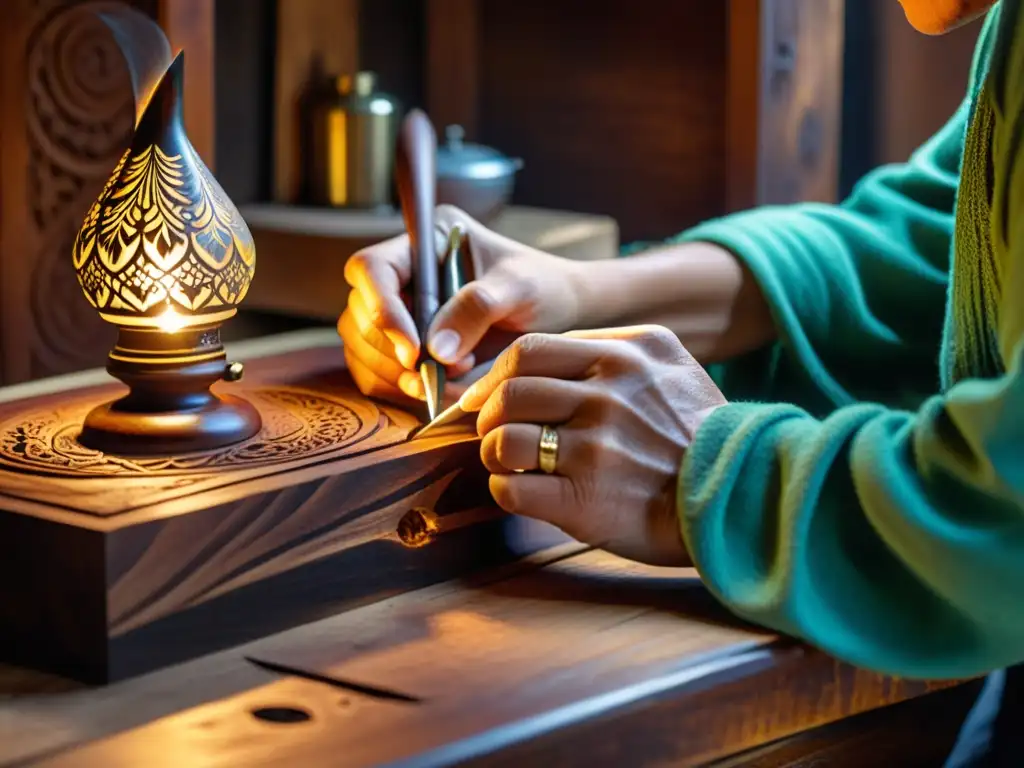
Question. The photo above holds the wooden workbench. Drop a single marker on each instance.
(569, 656)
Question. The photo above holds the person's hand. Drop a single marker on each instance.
(516, 289)
(625, 403)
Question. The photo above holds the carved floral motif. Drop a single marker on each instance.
(297, 424)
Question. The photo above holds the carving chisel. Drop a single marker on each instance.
(416, 179)
(454, 274)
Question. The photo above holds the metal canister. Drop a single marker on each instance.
(352, 142)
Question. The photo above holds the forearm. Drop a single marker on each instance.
(870, 534)
(698, 290)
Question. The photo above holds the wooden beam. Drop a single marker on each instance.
(784, 122)
(314, 38)
(189, 25)
(453, 63)
(743, 103)
(16, 230)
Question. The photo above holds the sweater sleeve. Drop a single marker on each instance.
(893, 539)
(857, 291)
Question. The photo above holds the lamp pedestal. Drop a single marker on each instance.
(169, 408)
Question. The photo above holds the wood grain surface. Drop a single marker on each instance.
(127, 564)
(784, 106)
(189, 25)
(452, 32)
(565, 657)
(578, 658)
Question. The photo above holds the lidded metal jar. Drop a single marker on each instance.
(352, 144)
(475, 178)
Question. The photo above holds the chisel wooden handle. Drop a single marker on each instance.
(416, 178)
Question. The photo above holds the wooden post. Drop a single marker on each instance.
(784, 121)
(453, 63)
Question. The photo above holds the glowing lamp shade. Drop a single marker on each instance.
(165, 256)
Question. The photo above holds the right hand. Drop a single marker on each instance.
(517, 289)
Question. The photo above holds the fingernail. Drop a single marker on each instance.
(412, 385)
(466, 399)
(406, 355)
(404, 351)
(445, 345)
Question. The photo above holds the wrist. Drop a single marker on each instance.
(655, 286)
(586, 286)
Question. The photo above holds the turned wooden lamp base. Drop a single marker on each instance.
(169, 407)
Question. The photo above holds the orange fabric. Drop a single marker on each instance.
(933, 17)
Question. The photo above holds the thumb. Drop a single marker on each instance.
(464, 320)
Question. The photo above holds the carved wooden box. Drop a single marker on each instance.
(115, 566)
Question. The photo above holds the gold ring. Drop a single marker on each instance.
(547, 452)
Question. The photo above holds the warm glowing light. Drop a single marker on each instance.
(170, 321)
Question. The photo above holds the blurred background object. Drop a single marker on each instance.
(350, 159)
(634, 121)
(477, 179)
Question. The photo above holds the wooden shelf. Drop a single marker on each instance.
(301, 252)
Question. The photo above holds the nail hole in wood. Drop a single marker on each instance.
(282, 715)
(417, 527)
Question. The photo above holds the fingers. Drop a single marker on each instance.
(374, 370)
(545, 497)
(516, 448)
(531, 400)
(537, 354)
(461, 368)
(369, 383)
(362, 323)
(464, 320)
(656, 340)
(378, 275)
(368, 343)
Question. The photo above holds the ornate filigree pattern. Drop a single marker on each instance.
(163, 232)
(297, 424)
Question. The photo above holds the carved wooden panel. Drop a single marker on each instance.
(41, 459)
(66, 114)
(125, 564)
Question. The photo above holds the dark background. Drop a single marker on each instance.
(898, 84)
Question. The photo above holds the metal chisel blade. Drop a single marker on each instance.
(446, 418)
(432, 375)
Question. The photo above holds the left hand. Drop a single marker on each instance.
(626, 403)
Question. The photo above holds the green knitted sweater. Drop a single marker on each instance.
(879, 512)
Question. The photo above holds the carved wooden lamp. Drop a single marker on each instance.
(166, 257)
